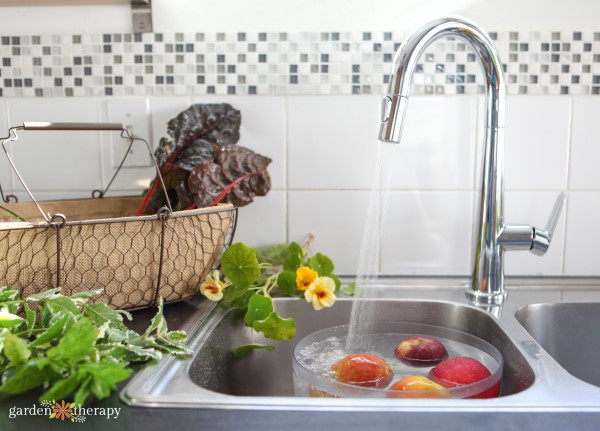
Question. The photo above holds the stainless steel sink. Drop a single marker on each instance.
(214, 378)
(570, 333)
(263, 373)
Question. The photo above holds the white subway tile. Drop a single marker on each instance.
(427, 233)
(137, 171)
(585, 145)
(533, 208)
(337, 220)
(437, 150)
(537, 137)
(262, 129)
(263, 222)
(58, 160)
(582, 235)
(332, 141)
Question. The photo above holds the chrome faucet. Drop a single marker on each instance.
(491, 235)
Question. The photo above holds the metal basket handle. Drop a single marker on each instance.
(46, 126)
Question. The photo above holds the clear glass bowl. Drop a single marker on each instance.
(315, 353)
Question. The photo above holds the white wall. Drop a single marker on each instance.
(324, 150)
(308, 15)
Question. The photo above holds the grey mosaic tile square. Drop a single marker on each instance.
(543, 63)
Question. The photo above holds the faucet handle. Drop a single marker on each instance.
(542, 237)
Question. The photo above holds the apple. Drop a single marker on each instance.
(419, 387)
(318, 393)
(421, 350)
(463, 370)
(363, 369)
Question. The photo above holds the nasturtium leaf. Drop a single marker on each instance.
(233, 292)
(76, 343)
(242, 301)
(9, 320)
(349, 289)
(294, 260)
(88, 294)
(278, 252)
(337, 281)
(259, 307)
(275, 327)
(322, 264)
(244, 350)
(15, 349)
(286, 280)
(240, 265)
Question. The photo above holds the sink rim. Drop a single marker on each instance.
(145, 388)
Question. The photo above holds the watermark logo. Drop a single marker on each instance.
(64, 411)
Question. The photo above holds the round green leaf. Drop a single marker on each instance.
(275, 327)
(244, 350)
(294, 260)
(322, 264)
(259, 308)
(286, 280)
(239, 264)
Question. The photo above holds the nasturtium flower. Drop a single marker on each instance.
(213, 287)
(305, 277)
(320, 293)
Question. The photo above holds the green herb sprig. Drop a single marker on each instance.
(70, 346)
(251, 278)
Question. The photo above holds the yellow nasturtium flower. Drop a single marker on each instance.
(213, 287)
(304, 277)
(320, 293)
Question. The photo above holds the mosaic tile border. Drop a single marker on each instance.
(161, 64)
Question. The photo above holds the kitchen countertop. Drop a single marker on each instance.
(149, 419)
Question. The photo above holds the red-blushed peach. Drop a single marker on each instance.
(418, 387)
(461, 371)
(363, 369)
(421, 350)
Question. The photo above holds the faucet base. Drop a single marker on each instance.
(481, 299)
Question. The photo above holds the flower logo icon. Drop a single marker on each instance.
(62, 410)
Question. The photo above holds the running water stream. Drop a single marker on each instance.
(369, 268)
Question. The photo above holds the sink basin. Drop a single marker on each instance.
(570, 333)
(263, 373)
(215, 378)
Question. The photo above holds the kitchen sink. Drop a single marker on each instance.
(570, 333)
(263, 373)
(533, 378)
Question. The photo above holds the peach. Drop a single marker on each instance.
(363, 369)
(419, 387)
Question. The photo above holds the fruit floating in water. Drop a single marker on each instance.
(463, 370)
(363, 369)
(419, 387)
(421, 350)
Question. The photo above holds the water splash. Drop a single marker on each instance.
(369, 267)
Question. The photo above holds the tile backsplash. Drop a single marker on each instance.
(275, 63)
(311, 102)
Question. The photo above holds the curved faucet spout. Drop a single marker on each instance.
(405, 63)
(491, 236)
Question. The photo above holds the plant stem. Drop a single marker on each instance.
(17, 216)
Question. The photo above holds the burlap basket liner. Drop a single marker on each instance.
(100, 247)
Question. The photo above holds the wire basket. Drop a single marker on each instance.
(92, 243)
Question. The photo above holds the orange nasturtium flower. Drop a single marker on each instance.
(213, 287)
(320, 293)
(304, 277)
